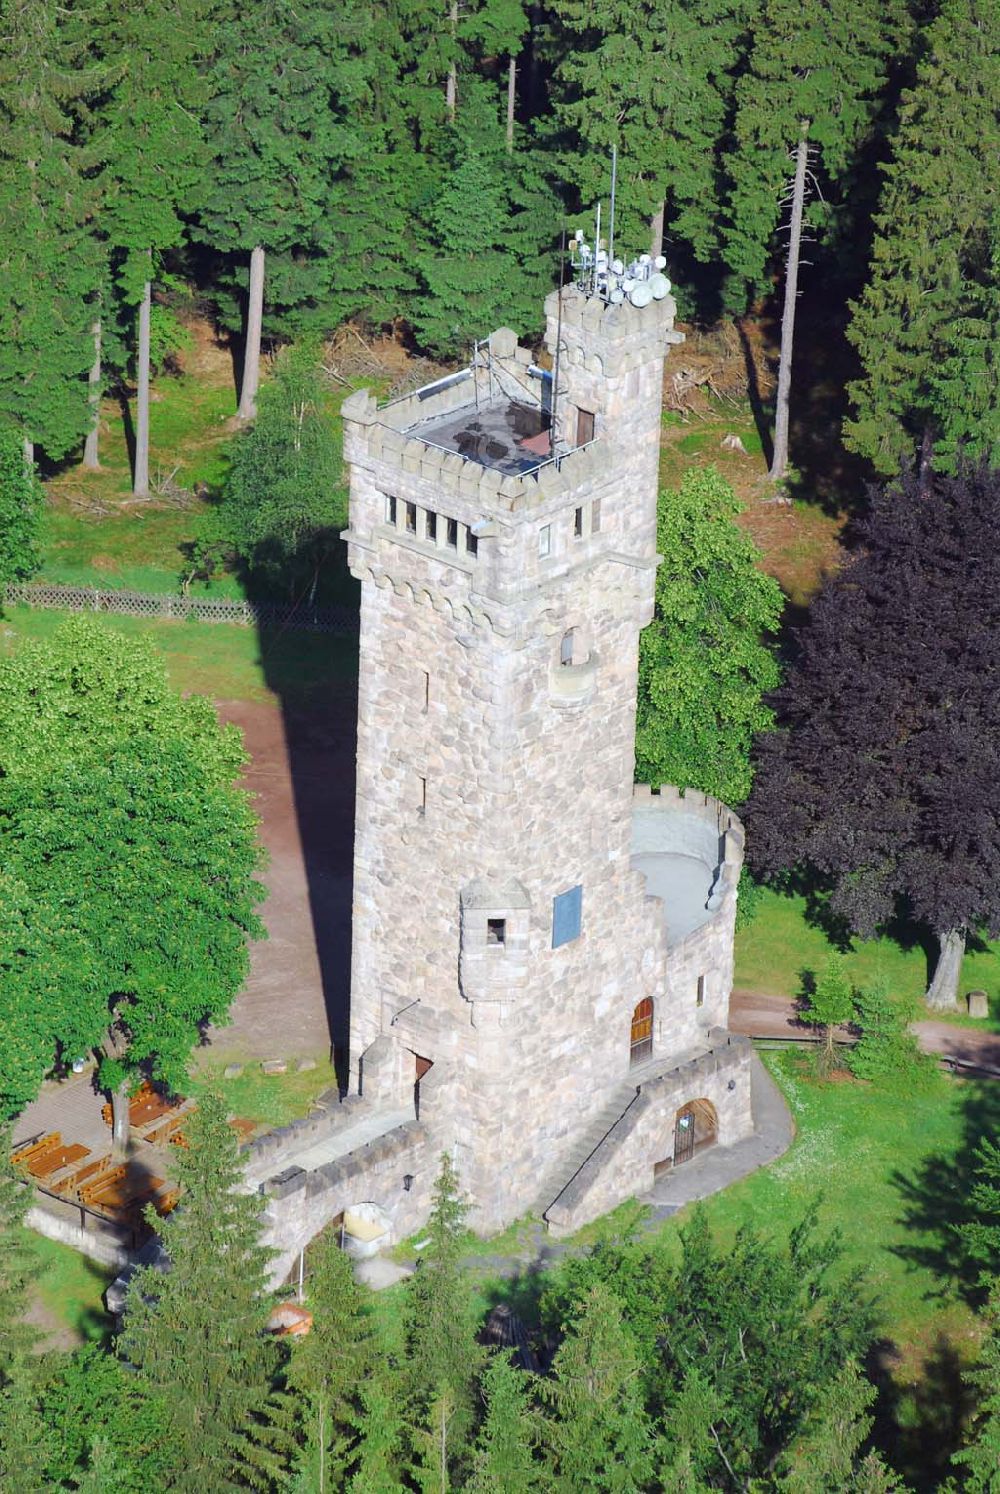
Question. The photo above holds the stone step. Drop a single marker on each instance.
(585, 1145)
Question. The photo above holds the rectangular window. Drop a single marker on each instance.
(578, 523)
(496, 931)
(432, 526)
(567, 916)
(390, 511)
(566, 647)
(471, 542)
(584, 427)
(411, 518)
(701, 990)
(545, 540)
(421, 796)
(427, 690)
(451, 534)
(595, 516)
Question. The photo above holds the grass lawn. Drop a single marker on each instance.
(272, 1100)
(224, 660)
(780, 943)
(70, 1293)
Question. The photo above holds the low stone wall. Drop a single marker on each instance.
(101, 1243)
(396, 1171)
(622, 1166)
(275, 1149)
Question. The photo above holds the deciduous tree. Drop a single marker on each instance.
(705, 660)
(831, 1002)
(129, 856)
(883, 778)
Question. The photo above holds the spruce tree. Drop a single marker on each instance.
(443, 1358)
(979, 1462)
(813, 83)
(831, 1002)
(26, 1443)
(655, 79)
(155, 174)
(933, 270)
(328, 1368)
(505, 1453)
(47, 252)
(195, 1333)
(18, 1263)
(381, 1459)
(20, 509)
(598, 1434)
(280, 136)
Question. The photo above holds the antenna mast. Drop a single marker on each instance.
(611, 213)
(555, 370)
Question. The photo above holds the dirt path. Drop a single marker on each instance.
(302, 772)
(757, 1015)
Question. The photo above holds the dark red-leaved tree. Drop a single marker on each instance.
(883, 778)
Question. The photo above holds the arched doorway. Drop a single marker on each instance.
(641, 1039)
(696, 1126)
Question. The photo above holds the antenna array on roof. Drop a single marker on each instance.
(598, 273)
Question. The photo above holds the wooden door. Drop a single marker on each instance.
(641, 1040)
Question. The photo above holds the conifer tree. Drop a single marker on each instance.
(505, 1453)
(979, 1462)
(18, 1262)
(655, 79)
(933, 269)
(827, 1454)
(813, 82)
(20, 509)
(598, 1434)
(382, 1434)
(280, 136)
(831, 1002)
(195, 1333)
(26, 1443)
(47, 253)
(442, 1355)
(328, 1368)
(494, 265)
(156, 172)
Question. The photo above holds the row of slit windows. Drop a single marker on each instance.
(586, 521)
(424, 523)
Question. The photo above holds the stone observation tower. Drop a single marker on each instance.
(542, 955)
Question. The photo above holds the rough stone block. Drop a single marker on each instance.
(305, 1065)
(232, 1071)
(274, 1066)
(979, 1004)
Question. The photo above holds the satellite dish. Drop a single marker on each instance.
(627, 284)
(640, 294)
(644, 259)
(618, 266)
(659, 285)
(660, 262)
(617, 296)
(578, 236)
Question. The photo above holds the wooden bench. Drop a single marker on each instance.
(25, 1155)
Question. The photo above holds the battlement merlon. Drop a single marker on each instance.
(461, 475)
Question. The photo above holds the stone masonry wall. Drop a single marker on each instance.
(623, 1164)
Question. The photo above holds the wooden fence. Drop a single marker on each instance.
(297, 615)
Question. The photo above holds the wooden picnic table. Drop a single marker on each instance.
(55, 1159)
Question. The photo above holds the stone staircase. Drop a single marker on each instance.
(586, 1143)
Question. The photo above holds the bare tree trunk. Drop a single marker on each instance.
(451, 87)
(942, 993)
(140, 479)
(28, 447)
(91, 456)
(121, 1127)
(255, 323)
(656, 231)
(511, 100)
(779, 460)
